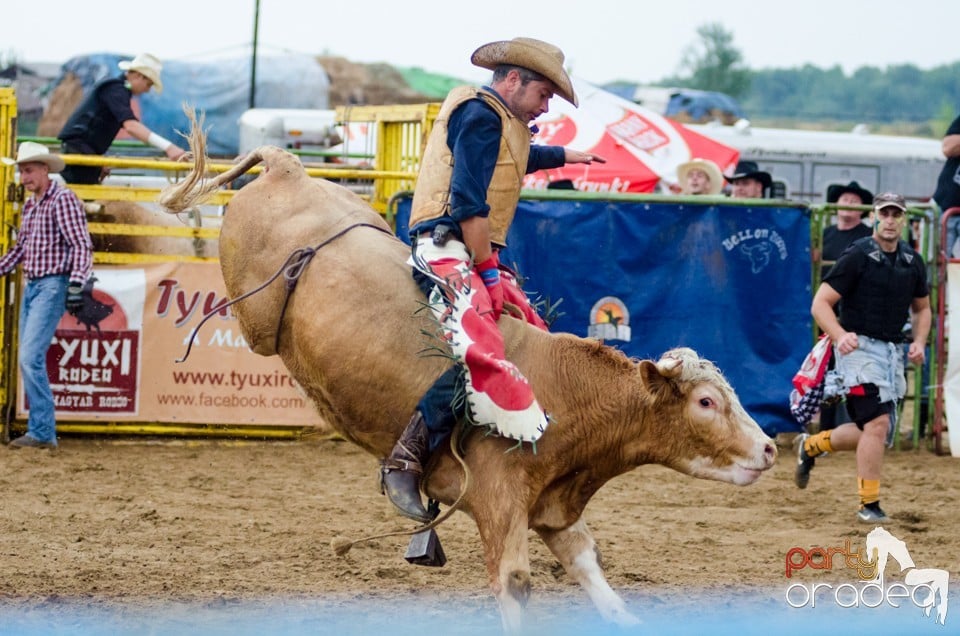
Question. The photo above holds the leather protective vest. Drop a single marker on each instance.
(431, 198)
(879, 306)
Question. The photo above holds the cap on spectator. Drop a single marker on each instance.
(889, 200)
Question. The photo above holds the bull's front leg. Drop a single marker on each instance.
(504, 538)
(578, 553)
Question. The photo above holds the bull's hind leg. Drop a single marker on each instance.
(508, 565)
(578, 553)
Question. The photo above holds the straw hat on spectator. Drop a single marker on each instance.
(148, 66)
(32, 152)
(707, 166)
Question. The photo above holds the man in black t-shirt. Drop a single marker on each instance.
(948, 187)
(881, 281)
(105, 110)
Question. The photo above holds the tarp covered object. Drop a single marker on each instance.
(219, 88)
(641, 146)
(731, 282)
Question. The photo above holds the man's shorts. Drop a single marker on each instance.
(865, 405)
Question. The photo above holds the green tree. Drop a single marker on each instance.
(714, 63)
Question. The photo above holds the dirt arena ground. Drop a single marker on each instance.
(118, 522)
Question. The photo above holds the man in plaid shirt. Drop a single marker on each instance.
(54, 248)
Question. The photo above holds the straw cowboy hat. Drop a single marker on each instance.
(716, 177)
(148, 66)
(536, 55)
(32, 152)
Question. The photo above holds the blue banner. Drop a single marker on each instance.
(731, 282)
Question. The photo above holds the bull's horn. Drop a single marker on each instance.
(669, 367)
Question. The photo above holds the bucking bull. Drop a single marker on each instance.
(351, 335)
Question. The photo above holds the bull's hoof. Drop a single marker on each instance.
(402, 488)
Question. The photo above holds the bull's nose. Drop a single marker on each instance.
(769, 454)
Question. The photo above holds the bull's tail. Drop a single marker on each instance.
(196, 189)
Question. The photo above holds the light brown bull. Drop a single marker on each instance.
(130, 213)
(351, 336)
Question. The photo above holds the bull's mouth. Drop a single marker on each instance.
(744, 475)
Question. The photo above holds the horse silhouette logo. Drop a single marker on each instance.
(881, 545)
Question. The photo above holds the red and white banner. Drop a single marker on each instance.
(641, 147)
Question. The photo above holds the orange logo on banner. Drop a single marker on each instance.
(609, 320)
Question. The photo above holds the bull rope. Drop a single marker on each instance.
(291, 269)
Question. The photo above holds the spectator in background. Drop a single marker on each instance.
(848, 228)
(56, 255)
(700, 176)
(105, 110)
(948, 187)
(748, 181)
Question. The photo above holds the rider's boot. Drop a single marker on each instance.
(400, 472)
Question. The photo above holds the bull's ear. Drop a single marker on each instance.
(654, 381)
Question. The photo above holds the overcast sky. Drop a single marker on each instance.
(604, 40)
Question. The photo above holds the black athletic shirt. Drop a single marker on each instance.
(95, 123)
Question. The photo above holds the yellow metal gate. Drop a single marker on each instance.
(8, 222)
(400, 134)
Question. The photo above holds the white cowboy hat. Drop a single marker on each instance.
(536, 55)
(710, 168)
(32, 152)
(148, 66)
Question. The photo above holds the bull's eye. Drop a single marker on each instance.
(706, 402)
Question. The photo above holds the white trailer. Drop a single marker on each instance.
(307, 132)
(804, 163)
